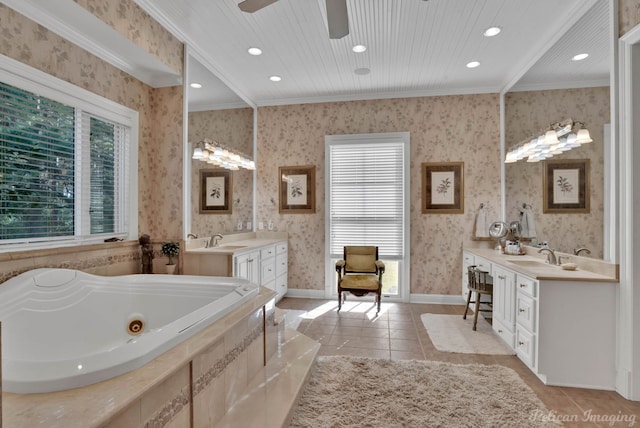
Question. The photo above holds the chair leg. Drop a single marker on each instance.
(475, 316)
(379, 298)
(466, 308)
(339, 300)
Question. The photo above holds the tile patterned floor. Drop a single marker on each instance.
(398, 333)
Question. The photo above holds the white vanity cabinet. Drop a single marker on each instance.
(282, 269)
(246, 265)
(504, 298)
(561, 324)
(526, 315)
(262, 261)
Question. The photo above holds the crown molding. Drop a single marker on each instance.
(79, 26)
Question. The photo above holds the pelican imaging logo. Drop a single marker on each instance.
(587, 416)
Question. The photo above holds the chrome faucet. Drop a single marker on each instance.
(192, 236)
(577, 251)
(551, 256)
(214, 240)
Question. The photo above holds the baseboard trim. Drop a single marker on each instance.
(305, 294)
(439, 299)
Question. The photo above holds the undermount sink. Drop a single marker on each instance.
(530, 263)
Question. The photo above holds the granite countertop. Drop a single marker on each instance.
(534, 266)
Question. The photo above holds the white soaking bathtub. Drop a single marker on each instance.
(64, 328)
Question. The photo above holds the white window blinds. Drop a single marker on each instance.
(61, 170)
(366, 197)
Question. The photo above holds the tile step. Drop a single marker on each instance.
(272, 395)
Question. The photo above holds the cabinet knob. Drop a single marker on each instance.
(502, 277)
(521, 310)
(500, 331)
(523, 285)
(520, 343)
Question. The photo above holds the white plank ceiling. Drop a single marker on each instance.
(414, 47)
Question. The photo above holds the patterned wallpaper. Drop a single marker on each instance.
(530, 112)
(134, 23)
(628, 15)
(233, 128)
(450, 128)
(160, 114)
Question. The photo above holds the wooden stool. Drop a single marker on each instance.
(479, 284)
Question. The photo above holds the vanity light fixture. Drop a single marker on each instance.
(473, 64)
(214, 153)
(558, 138)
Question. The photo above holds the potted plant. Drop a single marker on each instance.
(171, 250)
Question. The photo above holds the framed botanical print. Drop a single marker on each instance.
(297, 189)
(565, 184)
(443, 188)
(215, 191)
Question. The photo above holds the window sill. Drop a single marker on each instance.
(25, 253)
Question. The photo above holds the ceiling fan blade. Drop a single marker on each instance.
(337, 18)
(251, 6)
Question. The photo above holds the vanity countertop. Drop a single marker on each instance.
(236, 247)
(535, 267)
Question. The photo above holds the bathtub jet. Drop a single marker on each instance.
(64, 328)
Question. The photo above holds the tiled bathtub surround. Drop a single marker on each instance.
(203, 376)
(118, 258)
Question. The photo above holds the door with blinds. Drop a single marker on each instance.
(367, 203)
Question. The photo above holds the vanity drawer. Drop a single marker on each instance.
(468, 259)
(268, 270)
(281, 248)
(525, 312)
(505, 333)
(527, 285)
(267, 252)
(525, 346)
(281, 264)
(483, 264)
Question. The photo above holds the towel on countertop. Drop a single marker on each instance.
(527, 223)
(482, 228)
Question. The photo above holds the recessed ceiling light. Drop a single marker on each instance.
(275, 78)
(492, 31)
(362, 71)
(254, 51)
(196, 85)
(473, 64)
(579, 57)
(359, 48)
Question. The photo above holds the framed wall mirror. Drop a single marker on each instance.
(215, 112)
(557, 87)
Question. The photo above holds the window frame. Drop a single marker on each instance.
(30, 79)
(404, 263)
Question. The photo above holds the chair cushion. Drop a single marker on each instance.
(361, 263)
(360, 282)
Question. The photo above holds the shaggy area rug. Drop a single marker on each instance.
(450, 333)
(367, 392)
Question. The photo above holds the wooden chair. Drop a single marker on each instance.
(359, 272)
(479, 284)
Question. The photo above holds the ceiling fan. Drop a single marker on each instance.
(337, 16)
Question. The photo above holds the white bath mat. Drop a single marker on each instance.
(450, 333)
